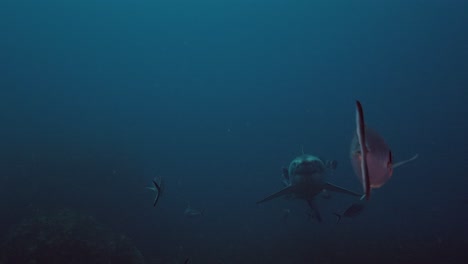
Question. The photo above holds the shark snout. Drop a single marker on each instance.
(308, 167)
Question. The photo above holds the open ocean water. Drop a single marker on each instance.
(97, 98)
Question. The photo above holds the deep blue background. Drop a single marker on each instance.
(98, 97)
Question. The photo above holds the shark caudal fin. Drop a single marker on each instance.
(285, 191)
(361, 133)
(335, 188)
(403, 162)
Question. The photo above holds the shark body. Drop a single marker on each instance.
(304, 179)
(371, 156)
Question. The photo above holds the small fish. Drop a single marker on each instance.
(371, 157)
(353, 210)
(158, 189)
(187, 260)
(192, 212)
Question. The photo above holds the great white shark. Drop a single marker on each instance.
(304, 179)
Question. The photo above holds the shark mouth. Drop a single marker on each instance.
(308, 168)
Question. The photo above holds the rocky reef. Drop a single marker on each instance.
(66, 237)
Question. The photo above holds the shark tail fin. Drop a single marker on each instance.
(338, 217)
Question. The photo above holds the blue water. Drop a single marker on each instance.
(98, 97)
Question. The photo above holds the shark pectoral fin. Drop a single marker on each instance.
(287, 190)
(335, 188)
(398, 164)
